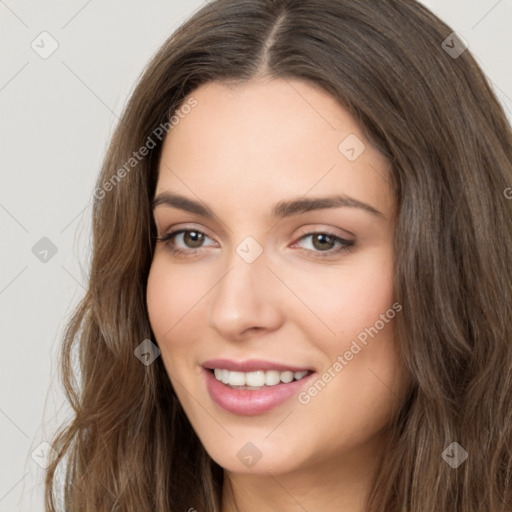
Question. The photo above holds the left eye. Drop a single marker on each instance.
(324, 242)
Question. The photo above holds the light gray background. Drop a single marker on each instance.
(57, 115)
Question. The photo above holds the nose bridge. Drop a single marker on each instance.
(244, 297)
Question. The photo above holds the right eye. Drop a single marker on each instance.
(189, 237)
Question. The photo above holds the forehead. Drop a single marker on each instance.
(280, 137)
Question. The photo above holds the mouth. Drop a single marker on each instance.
(249, 393)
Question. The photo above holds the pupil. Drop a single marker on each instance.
(323, 237)
(196, 238)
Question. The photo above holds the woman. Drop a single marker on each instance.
(300, 292)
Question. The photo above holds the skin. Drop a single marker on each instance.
(241, 150)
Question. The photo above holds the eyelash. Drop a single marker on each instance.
(346, 245)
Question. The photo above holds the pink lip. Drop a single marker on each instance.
(251, 402)
(251, 365)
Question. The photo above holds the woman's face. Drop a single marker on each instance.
(286, 266)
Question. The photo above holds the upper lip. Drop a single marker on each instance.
(250, 365)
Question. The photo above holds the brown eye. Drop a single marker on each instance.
(326, 244)
(193, 239)
(322, 241)
(184, 242)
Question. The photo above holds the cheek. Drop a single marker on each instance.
(170, 295)
(160, 301)
(168, 298)
(348, 299)
(361, 368)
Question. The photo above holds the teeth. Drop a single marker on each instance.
(272, 378)
(286, 376)
(236, 379)
(257, 378)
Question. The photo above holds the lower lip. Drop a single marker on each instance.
(251, 402)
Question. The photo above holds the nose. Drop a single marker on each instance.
(245, 301)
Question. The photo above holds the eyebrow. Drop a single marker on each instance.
(280, 210)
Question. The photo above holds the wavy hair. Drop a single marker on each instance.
(129, 446)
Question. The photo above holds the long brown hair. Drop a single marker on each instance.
(129, 446)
